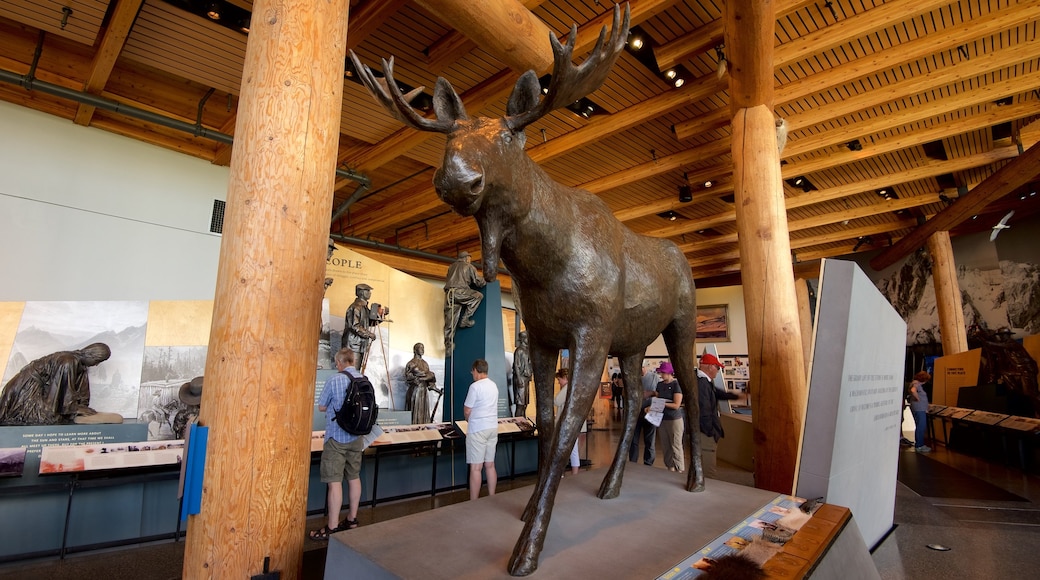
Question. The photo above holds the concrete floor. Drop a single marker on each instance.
(987, 538)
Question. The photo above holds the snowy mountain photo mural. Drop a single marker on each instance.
(999, 282)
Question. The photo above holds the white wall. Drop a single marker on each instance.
(88, 215)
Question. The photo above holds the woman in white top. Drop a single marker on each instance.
(562, 377)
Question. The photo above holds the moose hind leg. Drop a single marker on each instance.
(679, 338)
(611, 485)
(584, 386)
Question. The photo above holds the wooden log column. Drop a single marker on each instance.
(258, 397)
(947, 294)
(778, 388)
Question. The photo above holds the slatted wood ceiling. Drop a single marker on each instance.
(893, 75)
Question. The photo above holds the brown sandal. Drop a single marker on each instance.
(322, 534)
(347, 525)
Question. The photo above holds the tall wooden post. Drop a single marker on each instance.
(778, 388)
(947, 294)
(258, 398)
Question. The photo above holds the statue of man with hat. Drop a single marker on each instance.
(190, 396)
(357, 335)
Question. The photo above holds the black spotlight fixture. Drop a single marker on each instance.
(213, 11)
(854, 145)
(669, 215)
(860, 241)
(685, 193)
(801, 182)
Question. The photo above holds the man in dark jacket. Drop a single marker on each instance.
(708, 396)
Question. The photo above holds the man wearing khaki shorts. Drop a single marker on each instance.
(341, 456)
(481, 412)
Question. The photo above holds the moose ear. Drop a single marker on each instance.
(446, 102)
(525, 95)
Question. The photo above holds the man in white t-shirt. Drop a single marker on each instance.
(481, 411)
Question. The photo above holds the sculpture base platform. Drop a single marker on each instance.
(651, 527)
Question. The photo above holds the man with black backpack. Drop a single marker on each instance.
(341, 456)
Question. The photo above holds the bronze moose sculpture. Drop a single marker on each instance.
(563, 246)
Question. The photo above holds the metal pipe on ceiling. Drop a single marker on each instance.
(399, 250)
(32, 84)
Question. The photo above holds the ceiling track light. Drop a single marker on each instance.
(801, 182)
(213, 12)
(854, 145)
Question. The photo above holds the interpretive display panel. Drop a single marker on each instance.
(852, 425)
(59, 459)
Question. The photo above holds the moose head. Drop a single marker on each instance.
(484, 158)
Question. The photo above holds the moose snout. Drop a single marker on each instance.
(460, 187)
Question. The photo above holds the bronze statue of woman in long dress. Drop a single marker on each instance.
(420, 381)
(53, 389)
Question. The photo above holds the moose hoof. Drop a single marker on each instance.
(522, 566)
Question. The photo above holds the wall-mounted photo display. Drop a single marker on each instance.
(12, 461)
(713, 323)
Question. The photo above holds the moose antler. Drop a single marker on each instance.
(386, 91)
(570, 83)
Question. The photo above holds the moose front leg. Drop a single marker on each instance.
(584, 386)
(543, 365)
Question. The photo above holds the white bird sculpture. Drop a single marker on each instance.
(1001, 225)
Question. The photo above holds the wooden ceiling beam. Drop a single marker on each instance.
(112, 42)
(504, 28)
(993, 115)
(455, 45)
(1015, 174)
(880, 61)
(985, 94)
(709, 36)
(931, 168)
(978, 66)
(365, 18)
(657, 106)
(810, 241)
(880, 207)
(493, 89)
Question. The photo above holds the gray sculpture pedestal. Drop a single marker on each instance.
(587, 538)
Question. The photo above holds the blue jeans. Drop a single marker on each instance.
(920, 427)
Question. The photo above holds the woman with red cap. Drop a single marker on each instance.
(671, 429)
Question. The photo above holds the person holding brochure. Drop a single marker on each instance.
(341, 455)
(672, 425)
(481, 411)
